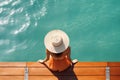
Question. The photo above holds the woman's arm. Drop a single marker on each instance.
(46, 58)
(68, 52)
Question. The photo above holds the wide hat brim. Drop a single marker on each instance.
(58, 49)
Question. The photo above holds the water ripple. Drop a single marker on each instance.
(43, 11)
(13, 11)
(11, 50)
(16, 2)
(15, 46)
(5, 2)
(1, 10)
(4, 21)
(24, 26)
(32, 2)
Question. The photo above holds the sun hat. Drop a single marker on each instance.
(56, 41)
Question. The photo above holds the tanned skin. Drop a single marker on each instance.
(59, 56)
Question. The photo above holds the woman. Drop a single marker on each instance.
(57, 51)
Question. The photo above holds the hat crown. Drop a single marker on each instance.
(56, 40)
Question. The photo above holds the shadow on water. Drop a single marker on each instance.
(67, 74)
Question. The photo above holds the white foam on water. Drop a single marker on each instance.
(43, 11)
(16, 46)
(16, 2)
(3, 22)
(11, 50)
(5, 2)
(13, 11)
(23, 26)
(36, 24)
(1, 10)
(32, 2)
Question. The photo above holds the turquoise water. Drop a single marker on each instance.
(92, 25)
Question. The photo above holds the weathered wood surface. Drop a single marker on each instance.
(114, 70)
(67, 78)
(80, 71)
(12, 64)
(12, 70)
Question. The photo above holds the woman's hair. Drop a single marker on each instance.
(59, 54)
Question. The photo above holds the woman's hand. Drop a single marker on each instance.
(41, 61)
(74, 61)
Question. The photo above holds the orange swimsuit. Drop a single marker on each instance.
(58, 65)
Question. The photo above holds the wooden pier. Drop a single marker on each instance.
(80, 71)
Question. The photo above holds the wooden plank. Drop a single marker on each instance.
(115, 71)
(66, 77)
(114, 64)
(12, 64)
(71, 71)
(90, 71)
(34, 64)
(81, 71)
(92, 64)
(11, 77)
(79, 64)
(11, 71)
(81, 68)
(115, 78)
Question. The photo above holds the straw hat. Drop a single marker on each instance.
(56, 41)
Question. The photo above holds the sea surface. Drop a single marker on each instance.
(93, 27)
